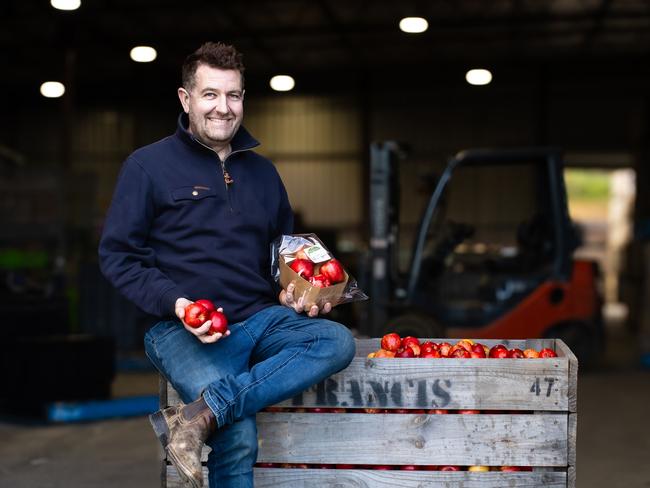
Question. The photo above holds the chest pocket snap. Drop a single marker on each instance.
(188, 193)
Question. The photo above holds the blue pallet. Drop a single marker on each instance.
(102, 409)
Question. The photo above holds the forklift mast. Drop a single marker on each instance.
(384, 228)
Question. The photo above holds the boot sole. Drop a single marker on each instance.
(180, 469)
(160, 427)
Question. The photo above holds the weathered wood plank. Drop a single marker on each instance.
(564, 350)
(572, 438)
(491, 440)
(571, 477)
(482, 384)
(346, 478)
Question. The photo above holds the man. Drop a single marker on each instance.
(193, 216)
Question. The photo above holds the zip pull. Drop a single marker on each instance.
(227, 178)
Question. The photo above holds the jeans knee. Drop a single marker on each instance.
(344, 346)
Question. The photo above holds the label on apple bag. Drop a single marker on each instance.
(317, 254)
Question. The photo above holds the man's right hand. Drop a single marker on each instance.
(201, 333)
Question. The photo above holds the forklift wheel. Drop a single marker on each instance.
(416, 325)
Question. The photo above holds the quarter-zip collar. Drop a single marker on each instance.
(242, 141)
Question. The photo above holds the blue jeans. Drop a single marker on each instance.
(271, 356)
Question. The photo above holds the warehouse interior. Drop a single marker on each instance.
(572, 75)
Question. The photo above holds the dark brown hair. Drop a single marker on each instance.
(216, 55)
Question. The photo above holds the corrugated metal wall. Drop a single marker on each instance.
(315, 142)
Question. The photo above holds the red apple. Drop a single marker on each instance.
(409, 467)
(303, 267)
(431, 354)
(509, 468)
(415, 348)
(468, 412)
(391, 342)
(382, 353)
(466, 343)
(428, 347)
(333, 271)
(410, 340)
(195, 315)
(459, 352)
(547, 353)
(405, 352)
(499, 351)
(320, 281)
(515, 353)
(478, 351)
(444, 349)
(345, 466)
(438, 411)
(207, 304)
(450, 468)
(381, 467)
(531, 353)
(219, 323)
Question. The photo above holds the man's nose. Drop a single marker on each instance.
(221, 105)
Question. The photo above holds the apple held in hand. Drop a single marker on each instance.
(303, 267)
(333, 271)
(207, 304)
(195, 315)
(219, 323)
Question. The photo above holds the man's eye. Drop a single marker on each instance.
(235, 96)
(209, 95)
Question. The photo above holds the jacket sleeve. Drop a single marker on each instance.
(125, 257)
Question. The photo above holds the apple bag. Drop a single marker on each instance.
(318, 276)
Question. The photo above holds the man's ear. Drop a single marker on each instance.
(184, 97)
(243, 92)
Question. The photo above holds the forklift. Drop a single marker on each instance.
(492, 256)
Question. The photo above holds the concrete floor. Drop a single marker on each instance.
(613, 435)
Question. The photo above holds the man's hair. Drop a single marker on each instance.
(215, 55)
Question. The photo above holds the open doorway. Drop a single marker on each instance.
(601, 202)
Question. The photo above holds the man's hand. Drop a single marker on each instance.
(288, 300)
(201, 333)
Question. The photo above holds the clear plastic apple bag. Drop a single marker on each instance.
(318, 276)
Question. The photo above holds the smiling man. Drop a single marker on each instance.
(192, 217)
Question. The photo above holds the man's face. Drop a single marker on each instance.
(215, 105)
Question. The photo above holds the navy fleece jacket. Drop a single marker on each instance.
(175, 229)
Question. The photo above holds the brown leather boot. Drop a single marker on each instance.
(182, 431)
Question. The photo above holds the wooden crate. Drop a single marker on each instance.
(529, 418)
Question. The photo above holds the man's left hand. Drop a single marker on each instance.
(288, 300)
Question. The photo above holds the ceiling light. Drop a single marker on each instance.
(66, 4)
(143, 54)
(282, 83)
(52, 89)
(478, 77)
(413, 25)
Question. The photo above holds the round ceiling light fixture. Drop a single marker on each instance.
(143, 54)
(52, 89)
(282, 83)
(478, 77)
(413, 25)
(65, 4)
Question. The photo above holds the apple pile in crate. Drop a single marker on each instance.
(394, 346)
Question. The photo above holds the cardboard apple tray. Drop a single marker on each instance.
(528, 418)
(311, 294)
